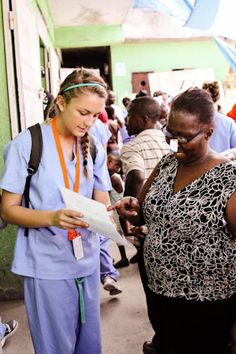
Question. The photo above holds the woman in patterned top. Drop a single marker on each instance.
(189, 206)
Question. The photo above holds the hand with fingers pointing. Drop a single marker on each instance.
(126, 207)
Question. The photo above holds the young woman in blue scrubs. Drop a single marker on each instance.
(61, 292)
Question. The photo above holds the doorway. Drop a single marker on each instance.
(91, 57)
(44, 65)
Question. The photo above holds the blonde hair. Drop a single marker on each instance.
(69, 90)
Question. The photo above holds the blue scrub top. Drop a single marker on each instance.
(47, 253)
(100, 131)
(224, 135)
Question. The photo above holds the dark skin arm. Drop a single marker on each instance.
(133, 184)
(129, 208)
(231, 214)
(116, 183)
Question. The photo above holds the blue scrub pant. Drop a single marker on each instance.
(106, 262)
(2, 330)
(54, 315)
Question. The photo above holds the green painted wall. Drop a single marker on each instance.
(10, 285)
(87, 36)
(164, 56)
(149, 56)
(4, 112)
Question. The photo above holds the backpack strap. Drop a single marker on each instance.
(34, 161)
(35, 158)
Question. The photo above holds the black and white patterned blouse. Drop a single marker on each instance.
(189, 251)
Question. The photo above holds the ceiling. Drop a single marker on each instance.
(136, 23)
(87, 12)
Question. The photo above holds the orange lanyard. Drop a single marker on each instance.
(62, 160)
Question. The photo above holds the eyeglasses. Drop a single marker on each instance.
(181, 139)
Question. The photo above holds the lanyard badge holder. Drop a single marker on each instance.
(76, 239)
(73, 236)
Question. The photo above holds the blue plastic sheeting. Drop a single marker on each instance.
(197, 14)
(228, 52)
(203, 14)
(155, 4)
(152, 5)
(146, 4)
(180, 9)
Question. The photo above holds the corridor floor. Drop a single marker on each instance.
(124, 318)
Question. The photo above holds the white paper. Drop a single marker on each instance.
(95, 214)
(120, 69)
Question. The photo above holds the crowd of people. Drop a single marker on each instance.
(165, 164)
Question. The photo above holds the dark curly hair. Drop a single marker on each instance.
(213, 88)
(197, 102)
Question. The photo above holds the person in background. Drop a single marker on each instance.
(164, 101)
(117, 123)
(113, 144)
(230, 154)
(139, 157)
(126, 101)
(108, 273)
(125, 137)
(189, 207)
(114, 167)
(47, 102)
(103, 117)
(111, 101)
(59, 260)
(232, 113)
(141, 93)
(6, 331)
(101, 132)
(224, 135)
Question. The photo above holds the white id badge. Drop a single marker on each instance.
(78, 247)
(173, 145)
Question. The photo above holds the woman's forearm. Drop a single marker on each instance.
(25, 217)
(13, 213)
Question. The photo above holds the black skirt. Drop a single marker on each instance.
(191, 327)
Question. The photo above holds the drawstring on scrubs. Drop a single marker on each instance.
(79, 282)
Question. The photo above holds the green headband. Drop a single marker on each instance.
(82, 85)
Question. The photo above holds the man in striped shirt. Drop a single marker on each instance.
(139, 157)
